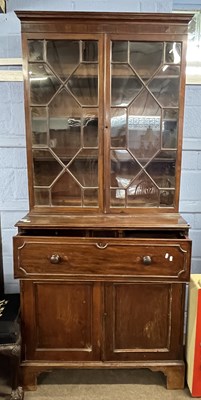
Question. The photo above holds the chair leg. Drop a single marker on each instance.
(17, 394)
(17, 391)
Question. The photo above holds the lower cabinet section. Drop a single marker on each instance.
(103, 322)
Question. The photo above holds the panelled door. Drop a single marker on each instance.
(143, 321)
(61, 320)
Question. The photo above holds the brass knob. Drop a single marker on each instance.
(147, 260)
(55, 259)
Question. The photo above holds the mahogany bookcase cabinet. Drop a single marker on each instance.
(103, 256)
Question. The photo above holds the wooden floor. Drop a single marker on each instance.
(104, 385)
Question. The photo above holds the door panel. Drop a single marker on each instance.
(143, 321)
(62, 320)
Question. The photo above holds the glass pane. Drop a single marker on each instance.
(90, 50)
(46, 168)
(118, 127)
(117, 197)
(142, 192)
(144, 127)
(65, 125)
(125, 85)
(90, 127)
(123, 168)
(167, 198)
(146, 57)
(36, 50)
(162, 169)
(63, 56)
(90, 197)
(165, 86)
(85, 168)
(66, 192)
(119, 51)
(83, 83)
(169, 128)
(43, 84)
(39, 126)
(173, 53)
(42, 197)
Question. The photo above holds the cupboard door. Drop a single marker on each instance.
(61, 320)
(143, 321)
(144, 114)
(65, 94)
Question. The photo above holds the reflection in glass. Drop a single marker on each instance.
(142, 192)
(89, 50)
(146, 57)
(169, 128)
(119, 51)
(125, 85)
(85, 168)
(66, 192)
(83, 83)
(144, 127)
(173, 52)
(43, 84)
(90, 127)
(118, 127)
(123, 168)
(42, 197)
(165, 86)
(117, 197)
(65, 125)
(36, 50)
(167, 198)
(90, 198)
(63, 56)
(39, 126)
(162, 169)
(46, 168)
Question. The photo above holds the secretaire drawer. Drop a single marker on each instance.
(36, 256)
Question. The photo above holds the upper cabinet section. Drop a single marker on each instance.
(104, 109)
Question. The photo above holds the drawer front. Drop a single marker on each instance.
(102, 257)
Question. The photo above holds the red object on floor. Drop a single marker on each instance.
(193, 355)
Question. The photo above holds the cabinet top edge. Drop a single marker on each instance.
(155, 221)
(44, 16)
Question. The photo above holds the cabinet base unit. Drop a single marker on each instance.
(103, 255)
(104, 300)
(174, 371)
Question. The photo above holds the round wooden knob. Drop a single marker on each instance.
(55, 259)
(147, 260)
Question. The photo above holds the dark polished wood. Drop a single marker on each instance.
(150, 221)
(132, 334)
(103, 255)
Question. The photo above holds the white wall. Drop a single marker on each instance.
(13, 177)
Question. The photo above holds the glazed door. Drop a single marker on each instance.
(61, 321)
(143, 321)
(64, 93)
(143, 123)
